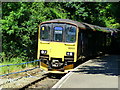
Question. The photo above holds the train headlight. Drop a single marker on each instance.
(70, 53)
(43, 51)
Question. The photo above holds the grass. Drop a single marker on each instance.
(14, 68)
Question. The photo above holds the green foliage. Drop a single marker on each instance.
(2, 57)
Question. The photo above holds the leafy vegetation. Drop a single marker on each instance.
(20, 22)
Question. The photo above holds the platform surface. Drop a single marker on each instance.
(101, 72)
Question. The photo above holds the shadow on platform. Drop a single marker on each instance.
(107, 65)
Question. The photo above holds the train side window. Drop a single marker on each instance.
(45, 33)
(70, 34)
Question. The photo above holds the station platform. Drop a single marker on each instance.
(101, 72)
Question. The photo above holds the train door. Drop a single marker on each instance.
(82, 44)
(85, 44)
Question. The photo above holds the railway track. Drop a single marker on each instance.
(44, 80)
(30, 79)
(47, 81)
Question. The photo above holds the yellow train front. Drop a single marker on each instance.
(62, 42)
(57, 46)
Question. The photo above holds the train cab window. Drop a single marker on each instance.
(58, 34)
(70, 34)
(45, 33)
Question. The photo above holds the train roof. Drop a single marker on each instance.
(83, 25)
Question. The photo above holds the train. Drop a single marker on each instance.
(64, 42)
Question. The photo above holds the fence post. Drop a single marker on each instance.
(27, 64)
(8, 71)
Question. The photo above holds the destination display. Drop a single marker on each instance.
(58, 30)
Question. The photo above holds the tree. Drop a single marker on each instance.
(20, 25)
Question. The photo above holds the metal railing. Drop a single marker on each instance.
(18, 71)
